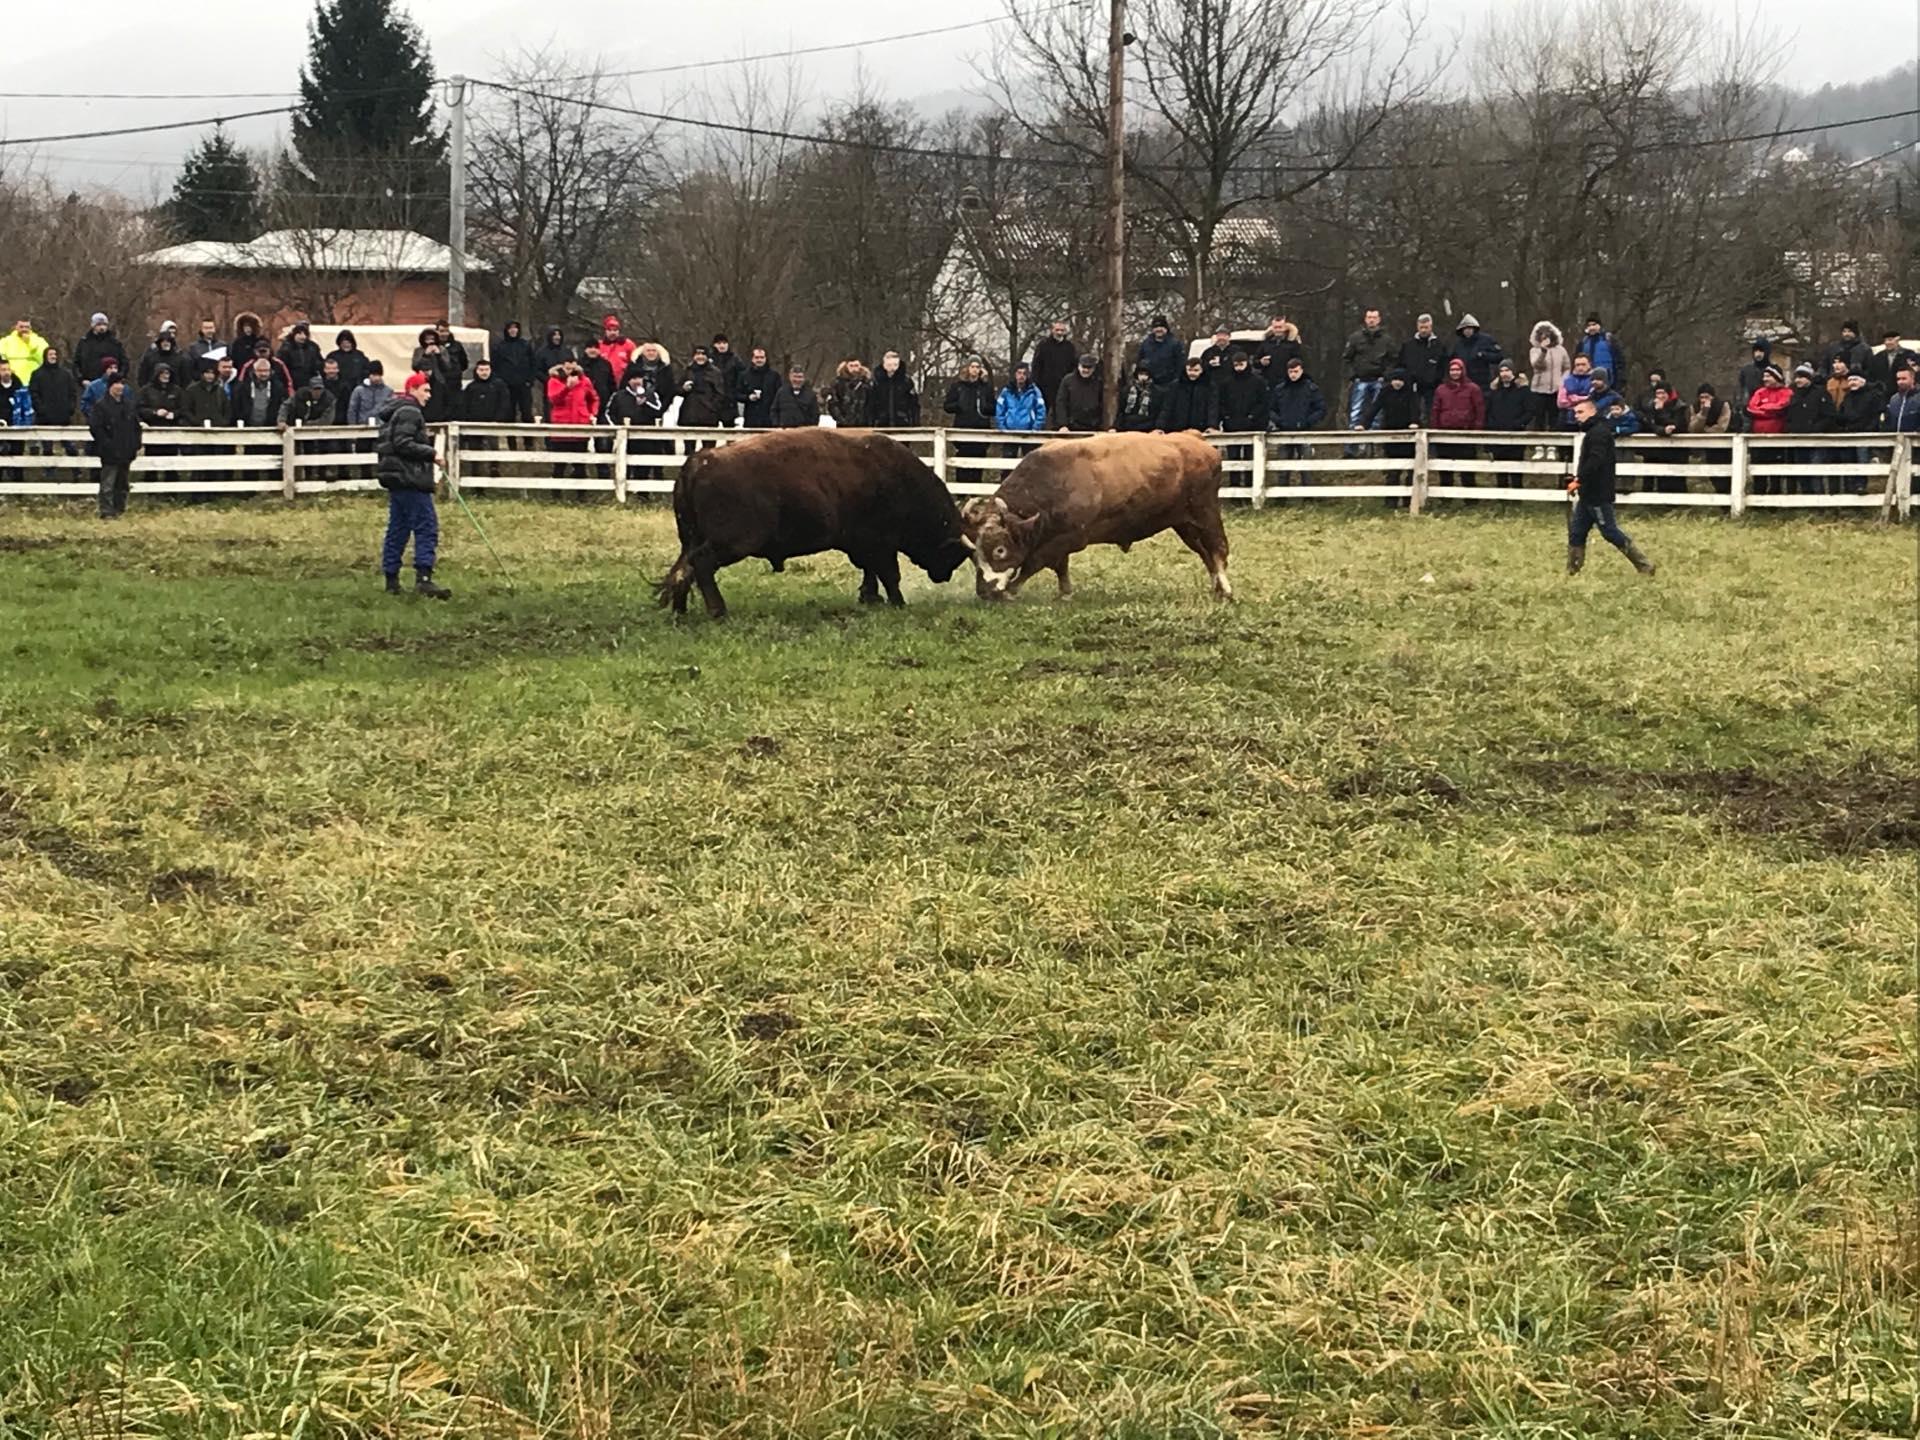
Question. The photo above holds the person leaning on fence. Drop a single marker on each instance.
(1710, 416)
(1547, 365)
(1856, 401)
(406, 470)
(1139, 403)
(115, 426)
(755, 389)
(1296, 403)
(1020, 406)
(1396, 407)
(573, 403)
(846, 398)
(16, 408)
(1510, 408)
(1810, 415)
(1078, 401)
(1901, 414)
(1665, 415)
(1458, 405)
(706, 397)
(1593, 487)
(485, 401)
(795, 406)
(1192, 402)
(513, 364)
(1245, 400)
(24, 348)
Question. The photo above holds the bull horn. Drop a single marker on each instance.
(967, 540)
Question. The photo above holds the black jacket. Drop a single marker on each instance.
(1190, 405)
(311, 407)
(302, 359)
(1367, 354)
(116, 428)
(892, 403)
(1481, 354)
(486, 402)
(92, 351)
(1859, 409)
(1810, 411)
(1274, 353)
(1217, 361)
(241, 399)
(599, 372)
(155, 398)
(795, 409)
(709, 402)
(758, 414)
(1139, 407)
(550, 352)
(1425, 361)
(353, 365)
(970, 403)
(1397, 409)
(1510, 407)
(163, 351)
(513, 360)
(1078, 403)
(1053, 361)
(56, 395)
(404, 449)
(1596, 472)
(1244, 400)
(629, 408)
(202, 403)
(731, 367)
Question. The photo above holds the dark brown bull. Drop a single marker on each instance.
(798, 492)
(1108, 490)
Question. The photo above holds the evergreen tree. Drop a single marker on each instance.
(365, 136)
(217, 195)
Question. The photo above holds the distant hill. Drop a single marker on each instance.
(1898, 89)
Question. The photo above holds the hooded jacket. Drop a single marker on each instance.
(160, 398)
(1190, 404)
(1547, 359)
(1396, 409)
(405, 452)
(1855, 407)
(891, 402)
(572, 400)
(165, 350)
(847, 396)
(1020, 408)
(16, 403)
(1296, 404)
(1053, 361)
(92, 352)
(1276, 350)
(1079, 404)
(621, 354)
(1809, 409)
(270, 394)
(1479, 352)
(709, 403)
(301, 356)
(513, 356)
(311, 407)
(763, 380)
(552, 351)
(1244, 401)
(56, 395)
(631, 406)
(1712, 418)
(353, 362)
(970, 403)
(1510, 406)
(1458, 403)
(248, 331)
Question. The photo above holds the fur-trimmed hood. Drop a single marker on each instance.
(1546, 334)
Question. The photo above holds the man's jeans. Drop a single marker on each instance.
(1360, 394)
(1587, 517)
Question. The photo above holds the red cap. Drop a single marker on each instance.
(610, 321)
(416, 380)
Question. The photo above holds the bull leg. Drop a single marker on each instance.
(1208, 539)
(886, 569)
(705, 563)
(1060, 573)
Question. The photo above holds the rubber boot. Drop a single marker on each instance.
(1576, 557)
(1639, 559)
(423, 585)
(393, 582)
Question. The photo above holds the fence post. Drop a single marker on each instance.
(1899, 497)
(940, 456)
(289, 447)
(450, 454)
(1259, 469)
(1737, 485)
(621, 431)
(1418, 501)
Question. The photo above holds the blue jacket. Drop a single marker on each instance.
(1606, 354)
(90, 396)
(1020, 409)
(20, 406)
(1163, 358)
(1297, 405)
(1625, 424)
(1902, 415)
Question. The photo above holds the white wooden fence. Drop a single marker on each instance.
(1734, 473)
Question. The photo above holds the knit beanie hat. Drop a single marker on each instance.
(1774, 372)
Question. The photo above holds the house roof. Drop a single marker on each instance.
(1238, 241)
(350, 251)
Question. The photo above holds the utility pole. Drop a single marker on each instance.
(1117, 39)
(457, 207)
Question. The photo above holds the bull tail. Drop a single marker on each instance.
(671, 589)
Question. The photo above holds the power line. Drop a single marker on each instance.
(9, 142)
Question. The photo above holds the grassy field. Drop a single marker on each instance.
(1430, 997)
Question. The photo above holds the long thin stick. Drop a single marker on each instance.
(499, 564)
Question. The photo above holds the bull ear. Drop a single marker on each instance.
(1023, 525)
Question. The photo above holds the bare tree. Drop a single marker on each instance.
(70, 254)
(557, 184)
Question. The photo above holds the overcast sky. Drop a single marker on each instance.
(201, 50)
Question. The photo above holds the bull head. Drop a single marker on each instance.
(1001, 540)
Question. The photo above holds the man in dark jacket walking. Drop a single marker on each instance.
(1192, 402)
(759, 382)
(795, 406)
(1077, 403)
(1594, 491)
(406, 469)
(513, 366)
(115, 424)
(1054, 358)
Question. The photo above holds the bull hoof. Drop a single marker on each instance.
(866, 599)
(897, 602)
(776, 565)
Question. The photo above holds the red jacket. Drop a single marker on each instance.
(572, 401)
(1458, 405)
(1767, 407)
(619, 354)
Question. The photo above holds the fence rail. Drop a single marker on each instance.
(1734, 473)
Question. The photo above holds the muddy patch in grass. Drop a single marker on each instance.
(170, 887)
(1870, 805)
(1378, 784)
(765, 1025)
(57, 845)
